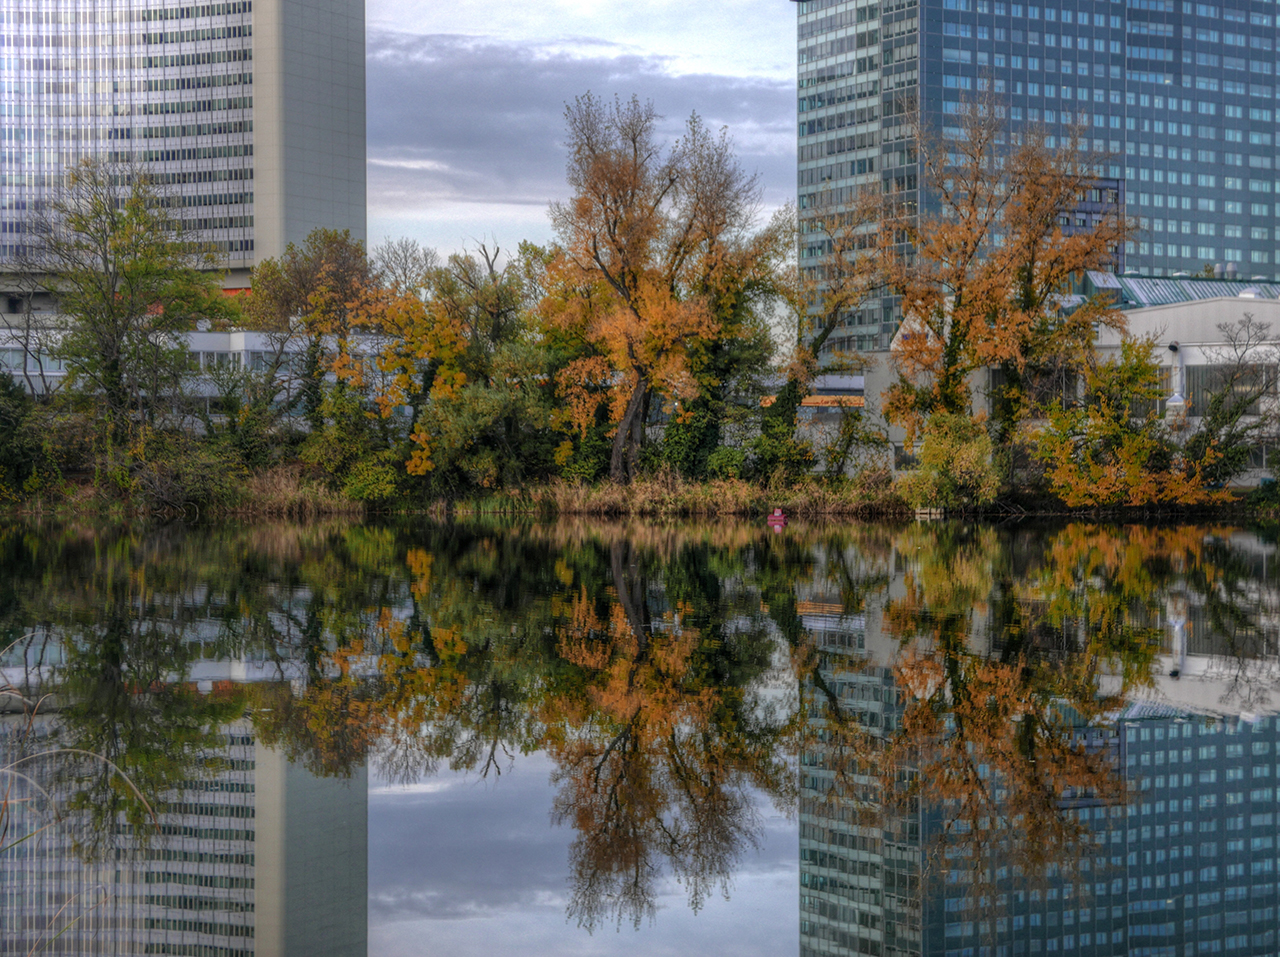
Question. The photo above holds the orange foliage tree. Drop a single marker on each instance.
(317, 292)
(981, 279)
(656, 248)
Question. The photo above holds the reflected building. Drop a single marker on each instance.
(261, 858)
(1188, 866)
(860, 880)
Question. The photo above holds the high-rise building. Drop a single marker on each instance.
(250, 113)
(1180, 96)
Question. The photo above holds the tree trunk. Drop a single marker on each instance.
(626, 442)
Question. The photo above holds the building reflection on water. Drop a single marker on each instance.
(260, 858)
(1186, 866)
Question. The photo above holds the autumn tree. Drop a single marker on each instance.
(315, 292)
(982, 268)
(313, 300)
(1112, 447)
(1237, 408)
(464, 352)
(657, 254)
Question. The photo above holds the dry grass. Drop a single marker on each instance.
(286, 493)
(667, 495)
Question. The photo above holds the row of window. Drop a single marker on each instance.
(189, 153)
(1211, 84)
(201, 10)
(1082, 17)
(198, 34)
(1229, 230)
(69, 17)
(1207, 205)
(196, 106)
(1258, 257)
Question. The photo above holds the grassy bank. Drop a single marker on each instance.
(293, 492)
(286, 493)
(670, 496)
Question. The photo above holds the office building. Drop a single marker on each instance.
(1179, 96)
(249, 113)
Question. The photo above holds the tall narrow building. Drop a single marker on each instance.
(249, 113)
(1180, 96)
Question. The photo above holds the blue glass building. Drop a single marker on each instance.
(1179, 96)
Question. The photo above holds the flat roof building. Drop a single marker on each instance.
(251, 113)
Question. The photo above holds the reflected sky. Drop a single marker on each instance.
(463, 865)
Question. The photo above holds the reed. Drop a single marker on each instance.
(667, 495)
(285, 492)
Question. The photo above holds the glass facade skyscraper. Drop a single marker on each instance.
(248, 113)
(1179, 96)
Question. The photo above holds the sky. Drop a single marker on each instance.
(464, 866)
(466, 101)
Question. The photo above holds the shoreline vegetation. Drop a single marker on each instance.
(656, 359)
(289, 493)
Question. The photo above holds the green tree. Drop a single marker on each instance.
(487, 419)
(316, 294)
(129, 284)
(1112, 448)
(19, 452)
(955, 467)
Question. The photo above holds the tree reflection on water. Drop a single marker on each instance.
(947, 688)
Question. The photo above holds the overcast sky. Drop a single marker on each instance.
(466, 101)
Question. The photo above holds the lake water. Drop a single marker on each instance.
(576, 738)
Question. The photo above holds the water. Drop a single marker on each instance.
(942, 739)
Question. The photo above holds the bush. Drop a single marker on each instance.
(19, 452)
(955, 468)
(179, 475)
(726, 463)
(373, 478)
(857, 445)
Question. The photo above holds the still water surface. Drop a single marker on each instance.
(936, 739)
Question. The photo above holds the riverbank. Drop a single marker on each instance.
(667, 495)
(291, 492)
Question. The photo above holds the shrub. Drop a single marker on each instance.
(955, 468)
(177, 474)
(726, 463)
(373, 478)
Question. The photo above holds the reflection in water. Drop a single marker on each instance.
(1062, 748)
(258, 857)
(1000, 741)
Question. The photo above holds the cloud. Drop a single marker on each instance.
(732, 37)
(465, 133)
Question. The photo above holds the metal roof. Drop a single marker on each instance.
(1160, 291)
